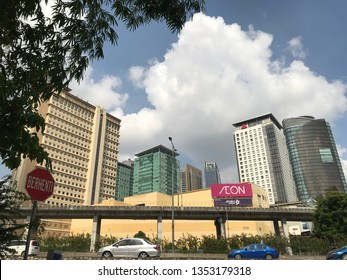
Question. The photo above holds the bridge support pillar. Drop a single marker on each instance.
(95, 232)
(220, 228)
(160, 229)
(276, 228)
(285, 232)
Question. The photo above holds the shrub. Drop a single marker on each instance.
(301, 245)
(76, 243)
(188, 243)
(311, 245)
(212, 245)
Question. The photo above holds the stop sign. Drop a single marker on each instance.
(39, 184)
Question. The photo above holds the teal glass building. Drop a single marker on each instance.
(124, 179)
(156, 170)
(314, 158)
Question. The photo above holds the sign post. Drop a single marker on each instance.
(39, 185)
(231, 195)
(30, 230)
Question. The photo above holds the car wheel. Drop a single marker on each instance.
(268, 257)
(107, 254)
(344, 257)
(238, 257)
(143, 255)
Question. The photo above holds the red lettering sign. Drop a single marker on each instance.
(231, 190)
(39, 184)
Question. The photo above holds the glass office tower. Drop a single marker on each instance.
(156, 170)
(124, 179)
(212, 175)
(316, 164)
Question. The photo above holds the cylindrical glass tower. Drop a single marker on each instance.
(314, 158)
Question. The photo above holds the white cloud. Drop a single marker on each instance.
(136, 74)
(296, 48)
(102, 93)
(213, 76)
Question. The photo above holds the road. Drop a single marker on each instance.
(166, 256)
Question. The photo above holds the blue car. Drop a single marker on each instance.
(255, 251)
(338, 254)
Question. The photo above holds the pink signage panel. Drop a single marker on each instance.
(231, 190)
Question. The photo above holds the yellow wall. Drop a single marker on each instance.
(128, 228)
(198, 198)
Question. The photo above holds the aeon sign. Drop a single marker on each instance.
(231, 190)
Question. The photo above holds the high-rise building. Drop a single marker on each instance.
(211, 173)
(156, 170)
(190, 178)
(82, 141)
(262, 157)
(316, 164)
(124, 179)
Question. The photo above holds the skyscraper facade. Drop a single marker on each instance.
(211, 173)
(124, 179)
(190, 178)
(262, 157)
(156, 170)
(82, 141)
(314, 157)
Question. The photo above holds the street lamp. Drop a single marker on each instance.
(173, 150)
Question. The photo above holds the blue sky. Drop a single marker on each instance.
(240, 59)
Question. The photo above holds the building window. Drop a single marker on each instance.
(326, 156)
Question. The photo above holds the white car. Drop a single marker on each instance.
(131, 248)
(19, 247)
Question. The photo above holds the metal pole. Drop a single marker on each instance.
(30, 230)
(172, 195)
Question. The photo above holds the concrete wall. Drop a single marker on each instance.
(127, 228)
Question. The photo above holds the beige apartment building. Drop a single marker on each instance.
(197, 198)
(190, 178)
(82, 141)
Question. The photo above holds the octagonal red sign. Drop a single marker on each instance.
(39, 184)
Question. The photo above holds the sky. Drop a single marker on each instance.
(237, 60)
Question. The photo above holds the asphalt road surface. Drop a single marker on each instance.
(164, 256)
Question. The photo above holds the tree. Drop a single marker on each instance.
(330, 217)
(10, 200)
(140, 234)
(41, 54)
